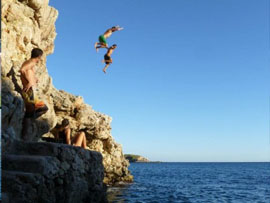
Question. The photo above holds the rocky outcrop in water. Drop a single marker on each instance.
(27, 24)
(136, 158)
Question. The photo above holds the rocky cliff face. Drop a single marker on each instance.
(27, 24)
(98, 135)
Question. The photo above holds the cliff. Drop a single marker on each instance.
(27, 24)
(135, 158)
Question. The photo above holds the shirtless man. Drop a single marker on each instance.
(102, 38)
(34, 107)
(107, 57)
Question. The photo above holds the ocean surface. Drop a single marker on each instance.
(196, 182)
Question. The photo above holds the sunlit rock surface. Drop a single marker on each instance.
(27, 24)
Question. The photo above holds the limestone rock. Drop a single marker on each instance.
(22, 31)
(98, 134)
(27, 24)
(29, 176)
(12, 109)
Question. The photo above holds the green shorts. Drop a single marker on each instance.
(102, 39)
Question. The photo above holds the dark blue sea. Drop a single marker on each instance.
(196, 182)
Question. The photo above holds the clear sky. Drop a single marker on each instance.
(190, 78)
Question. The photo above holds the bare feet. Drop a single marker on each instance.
(104, 70)
(119, 28)
(96, 47)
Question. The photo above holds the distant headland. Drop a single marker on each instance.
(139, 159)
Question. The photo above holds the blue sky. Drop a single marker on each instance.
(190, 79)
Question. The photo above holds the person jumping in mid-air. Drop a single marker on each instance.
(102, 38)
(107, 57)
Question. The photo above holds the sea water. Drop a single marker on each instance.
(196, 182)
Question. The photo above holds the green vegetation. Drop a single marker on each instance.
(132, 157)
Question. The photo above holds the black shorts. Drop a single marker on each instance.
(107, 58)
(49, 139)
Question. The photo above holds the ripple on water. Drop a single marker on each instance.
(196, 183)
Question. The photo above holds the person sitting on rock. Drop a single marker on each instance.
(107, 57)
(34, 107)
(64, 136)
(102, 38)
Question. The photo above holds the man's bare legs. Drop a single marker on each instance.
(101, 45)
(40, 111)
(80, 140)
(108, 62)
(105, 68)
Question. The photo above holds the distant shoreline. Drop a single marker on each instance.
(156, 162)
(199, 162)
